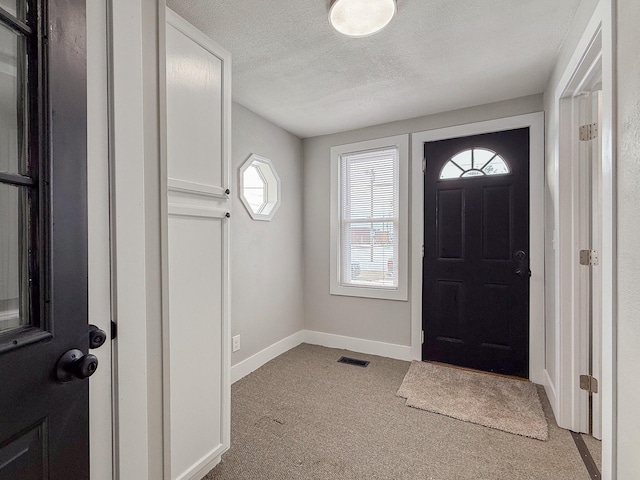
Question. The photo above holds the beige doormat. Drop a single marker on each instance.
(496, 402)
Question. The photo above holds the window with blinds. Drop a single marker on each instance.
(369, 218)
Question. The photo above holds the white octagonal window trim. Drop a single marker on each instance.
(259, 187)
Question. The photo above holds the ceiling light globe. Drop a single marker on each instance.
(361, 18)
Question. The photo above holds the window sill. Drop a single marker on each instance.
(397, 294)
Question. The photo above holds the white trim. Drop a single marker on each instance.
(182, 25)
(535, 122)
(184, 186)
(127, 133)
(601, 25)
(570, 409)
(101, 402)
(550, 389)
(270, 187)
(179, 210)
(596, 285)
(401, 292)
(203, 466)
(360, 345)
(164, 236)
(575, 295)
(254, 362)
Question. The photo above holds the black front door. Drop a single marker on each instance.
(43, 241)
(476, 252)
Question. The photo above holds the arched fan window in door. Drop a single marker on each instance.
(474, 162)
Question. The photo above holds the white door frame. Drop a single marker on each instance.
(572, 402)
(577, 111)
(133, 157)
(577, 297)
(535, 122)
(100, 393)
(594, 51)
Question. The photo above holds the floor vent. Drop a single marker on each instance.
(353, 361)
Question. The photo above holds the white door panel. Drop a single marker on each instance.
(194, 112)
(195, 312)
(197, 357)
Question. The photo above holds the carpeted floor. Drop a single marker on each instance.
(304, 416)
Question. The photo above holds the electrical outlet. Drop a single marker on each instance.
(236, 343)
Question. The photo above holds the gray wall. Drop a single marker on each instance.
(580, 21)
(380, 320)
(628, 234)
(266, 257)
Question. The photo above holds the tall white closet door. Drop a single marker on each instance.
(197, 389)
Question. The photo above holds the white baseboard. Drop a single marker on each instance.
(254, 362)
(203, 466)
(245, 367)
(550, 389)
(389, 350)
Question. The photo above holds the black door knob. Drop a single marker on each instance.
(522, 268)
(520, 255)
(75, 365)
(522, 272)
(97, 337)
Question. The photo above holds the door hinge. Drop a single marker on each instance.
(424, 165)
(422, 251)
(422, 336)
(114, 330)
(588, 383)
(588, 257)
(588, 132)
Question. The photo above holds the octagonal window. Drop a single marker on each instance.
(259, 187)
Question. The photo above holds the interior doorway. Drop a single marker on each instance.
(585, 240)
(582, 256)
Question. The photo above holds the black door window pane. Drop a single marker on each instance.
(13, 62)
(14, 247)
(17, 8)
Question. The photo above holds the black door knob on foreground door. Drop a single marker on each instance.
(75, 365)
(97, 337)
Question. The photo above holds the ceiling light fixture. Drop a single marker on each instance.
(361, 18)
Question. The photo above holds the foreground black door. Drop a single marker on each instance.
(476, 260)
(43, 241)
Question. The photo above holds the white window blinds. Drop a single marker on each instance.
(369, 223)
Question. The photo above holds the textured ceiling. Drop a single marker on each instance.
(292, 68)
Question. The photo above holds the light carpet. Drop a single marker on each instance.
(505, 404)
(303, 416)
